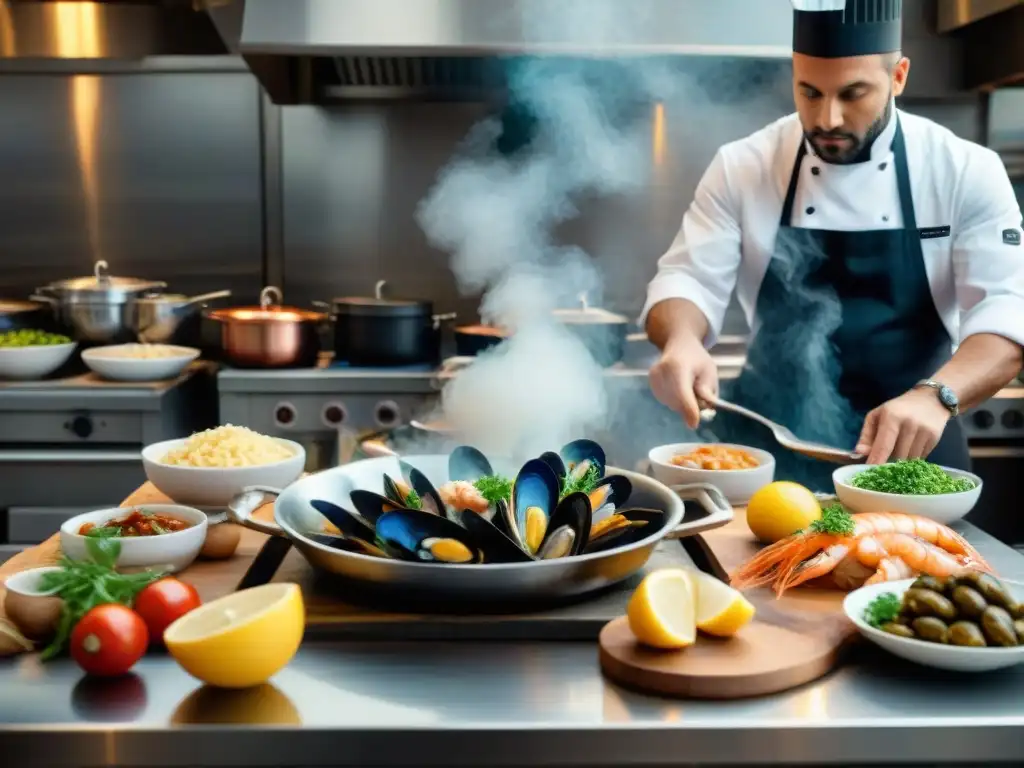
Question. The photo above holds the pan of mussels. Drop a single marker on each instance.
(465, 529)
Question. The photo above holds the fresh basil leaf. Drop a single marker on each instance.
(103, 552)
(111, 532)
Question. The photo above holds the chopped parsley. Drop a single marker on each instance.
(910, 477)
(883, 609)
(834, 520)
(494, 488)
(584, 484)
(413, 500)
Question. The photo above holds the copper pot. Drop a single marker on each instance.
(270, 335)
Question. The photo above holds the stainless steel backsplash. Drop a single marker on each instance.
(165, 174)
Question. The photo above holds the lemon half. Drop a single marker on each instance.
(242, 639)
(662, 610)
(721, 610)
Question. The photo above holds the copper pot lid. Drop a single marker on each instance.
(269, 311)
(379, 305)
(586, 315)
(102, 285)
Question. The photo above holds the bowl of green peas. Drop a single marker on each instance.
(27, 354)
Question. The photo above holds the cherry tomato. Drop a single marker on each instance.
(164, 602)
(108, 640)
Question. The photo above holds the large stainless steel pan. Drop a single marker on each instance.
(492, 583)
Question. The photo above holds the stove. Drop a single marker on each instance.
(72, 444)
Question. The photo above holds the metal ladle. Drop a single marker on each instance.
(788, 440)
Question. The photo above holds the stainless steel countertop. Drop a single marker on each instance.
(509, 704)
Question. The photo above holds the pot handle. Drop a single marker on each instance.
(376, 449)
(38, 296)
(271, 296)
(447, 317)
(712, 500)
(206, 297)
(241, 507)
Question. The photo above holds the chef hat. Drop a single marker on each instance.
(832, 29)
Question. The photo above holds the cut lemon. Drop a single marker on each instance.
(242, 639)
(721, 610)
(661, 611)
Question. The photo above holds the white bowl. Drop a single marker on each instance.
(115, 368)
(172, 551)
(738, 485)
(28, 363)
(216, 486)
(943, 508)
(951, 657)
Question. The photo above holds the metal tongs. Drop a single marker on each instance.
(787, 439)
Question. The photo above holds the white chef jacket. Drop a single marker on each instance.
(976, 271)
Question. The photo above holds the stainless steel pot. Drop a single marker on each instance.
(155, 319)
(603, 333)
(467, 586)
(270, 336)
(97, 309)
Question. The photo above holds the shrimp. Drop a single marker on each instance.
(921, 527)
(778, 560)
(919, 555)
(461, 494)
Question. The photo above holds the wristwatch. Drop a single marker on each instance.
(946, 395)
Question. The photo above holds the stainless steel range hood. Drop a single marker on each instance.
(992, 34)
(306, 51)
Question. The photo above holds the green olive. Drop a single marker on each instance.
(998, 627)
(966, 633)
(1018, 627)
(931, 629)
(990, 588)
(925, 602)
(900, 630)
(969, 602)
(929, 582)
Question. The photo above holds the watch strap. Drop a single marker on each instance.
(938, 386)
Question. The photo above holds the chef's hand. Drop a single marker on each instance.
(908, 427)
(683, 376)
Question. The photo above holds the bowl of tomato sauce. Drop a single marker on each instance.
(165, 536)
(738, 471)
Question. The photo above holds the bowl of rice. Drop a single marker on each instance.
(211, 467)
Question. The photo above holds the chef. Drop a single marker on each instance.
(863, 244)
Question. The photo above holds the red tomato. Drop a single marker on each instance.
(108, 640)
(164, 602)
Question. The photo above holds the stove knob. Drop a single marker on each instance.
(984, 419)
(284, 415)
(386, 414)
(1013, 420)
(81, 426)
(334, 414)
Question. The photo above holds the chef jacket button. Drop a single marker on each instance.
(810, 210)
(885, 218)
(815, 170)
(882, 166)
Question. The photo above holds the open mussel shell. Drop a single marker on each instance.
(568, 529)
(399, 492)
(579, 455)
(351, 526)
(356, 546)
(626, 526)
(534, 498)
(554, 461)
(422, 537)
(497, 547)
(372, 505)
(428, 494)
(611, 489)
(469, 464)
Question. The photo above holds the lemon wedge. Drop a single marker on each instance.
(662, 611)
(242, 639)
(721, 610)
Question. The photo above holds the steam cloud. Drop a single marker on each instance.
(497, 214)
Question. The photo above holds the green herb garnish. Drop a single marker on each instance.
(910, 477)
(584, 484)
(834, 520)
(83, 585)
(883, 609)
(494, 488)
(104, 532)
(413, 500)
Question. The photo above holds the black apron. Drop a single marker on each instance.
(846, 322)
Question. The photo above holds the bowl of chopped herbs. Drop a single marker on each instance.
(912, 486)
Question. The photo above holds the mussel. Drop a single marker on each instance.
(419, 536)
(467, 463)
(611, 492)
(350, 525)
(568, 529)
(534, 498)
(496, 545)
(372, 505)
(401, 493)
(346, 545)
(624, 527)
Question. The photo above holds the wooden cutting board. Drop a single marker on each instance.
(792, 640)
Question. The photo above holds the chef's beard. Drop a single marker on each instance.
(859, 149)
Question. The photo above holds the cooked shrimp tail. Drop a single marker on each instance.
(890, 569)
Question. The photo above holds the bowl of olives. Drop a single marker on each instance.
(29, 354)
(970, 622)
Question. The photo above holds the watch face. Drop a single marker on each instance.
(948, 397)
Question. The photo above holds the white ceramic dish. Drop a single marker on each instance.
(108, 366)
(943, 508)
(738, 485)
(30, 363)
(214, 487)
(172, 551)
(36, 612)
(952, 657)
